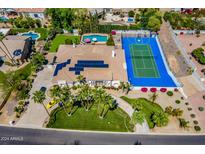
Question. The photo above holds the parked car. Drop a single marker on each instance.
(43, 89)
(51, 104)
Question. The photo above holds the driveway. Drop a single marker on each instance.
(36, 114)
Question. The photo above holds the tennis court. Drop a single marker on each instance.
(143, 61)
(146, 65)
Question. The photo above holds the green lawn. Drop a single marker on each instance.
(60, 39)
(148, 108)
(116, 120)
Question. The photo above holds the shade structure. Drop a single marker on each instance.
(94, 39)
(144, 89)
(87, 40)
(163, 90)
(153, 90)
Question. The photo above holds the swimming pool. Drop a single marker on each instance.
(165, 77)
(34, 36)
(3, 19)
(95, 38)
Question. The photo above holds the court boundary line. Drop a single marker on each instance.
(154, 66)
(154, 63)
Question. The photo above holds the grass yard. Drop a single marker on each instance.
(60, 39)
(148, 108)
(116, 120)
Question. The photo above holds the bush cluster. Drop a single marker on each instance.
(110, 41)
(197, 128)
(169, 93)
(199, 55)
(177, 101)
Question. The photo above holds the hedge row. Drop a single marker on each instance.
(109, 28)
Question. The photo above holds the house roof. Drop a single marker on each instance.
(115, 70)
(32, 10)
(16, 37)
(12, 45)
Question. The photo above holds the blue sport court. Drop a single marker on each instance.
(145, 65)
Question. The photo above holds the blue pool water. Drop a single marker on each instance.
(3, 19)
(100, 38)
(165, 80)
(130, 19)
(33, 35)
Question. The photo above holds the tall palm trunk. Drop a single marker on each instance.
(46, 109)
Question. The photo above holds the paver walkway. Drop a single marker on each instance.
(144, 128)
(36, 114)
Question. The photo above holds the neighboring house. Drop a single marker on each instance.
(16, 48)
(4, 31)
(99, 11)
(36, 13)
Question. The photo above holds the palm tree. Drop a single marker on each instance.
(183, 123)
(123, 86)
(160, 119)
(138, 117)
(55, 92)
(107, 103)
(38, 60)
(39, 97)
(81, 79)
(98, 94)
(67, 99)
(85, 96)
(128, 87)
(153, 97)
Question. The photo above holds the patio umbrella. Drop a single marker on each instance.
(87, 40)
(94, 39)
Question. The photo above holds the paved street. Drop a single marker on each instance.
(13, 135)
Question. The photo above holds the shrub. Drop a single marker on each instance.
(169, 93)
(195, 122)
(177, 112)
(186, 103)
(169, 110)
(189, 108)
(193, 115)
(199, 55)
(110, 41)
(1, 113)
(201, 108)
(177, 101)
(131, 13)
(183, 123)
(204, 97)
(197, 128)
(68, 41)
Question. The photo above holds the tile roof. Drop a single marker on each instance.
(37, 10)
